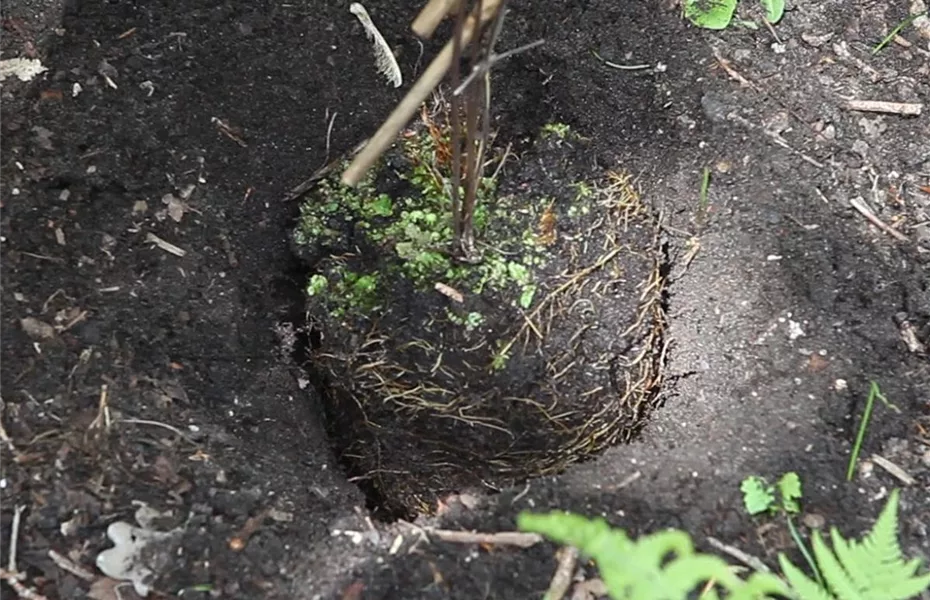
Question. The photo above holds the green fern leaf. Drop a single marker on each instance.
(660, 566)
(806, 588)
(837, 578)
(873, 569)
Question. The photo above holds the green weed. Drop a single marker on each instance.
(718, 14)
(666, 566)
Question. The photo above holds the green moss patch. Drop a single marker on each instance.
(441, 375)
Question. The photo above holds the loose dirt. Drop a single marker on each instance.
(152, 307)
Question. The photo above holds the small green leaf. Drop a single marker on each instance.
(789, 486)
(757, 495)
(746, 24)
(774, 10)
(526, 297)
(710, 14)
(382, 206)
(518, 272)
(365, 284)
(317, 285)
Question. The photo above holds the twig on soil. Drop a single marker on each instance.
(14, 537)
(319, 174)
(733, 73)
(43, 257)
(166, 246)
(11, 575)
(503, 538)
(614, 65)
(562, 579)
(238, 542)
(866, 212)
(329, 135)
(170, 428)
(894, 469)
(907, 109)
(22, 591)
(70, 566)
(784, 144)
(228, 131)
(103, 412)
(746, 559)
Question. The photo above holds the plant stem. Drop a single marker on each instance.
(863, 425)
(796, 536)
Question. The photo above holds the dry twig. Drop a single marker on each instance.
(906, 109)
(866, 212)
(902, 475)
(70, 566)
(562, 579)
(11, 574)
(166, 246)
(503, 538)
(746, 559)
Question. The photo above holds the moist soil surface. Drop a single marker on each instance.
(152, 308)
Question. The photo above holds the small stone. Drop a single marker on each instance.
(814, 521)
(815, 40)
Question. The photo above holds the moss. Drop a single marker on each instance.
(411, 236)
(557, 130)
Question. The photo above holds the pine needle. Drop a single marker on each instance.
(384, 58)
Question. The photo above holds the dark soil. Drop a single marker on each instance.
(170, 379)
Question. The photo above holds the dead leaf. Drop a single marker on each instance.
(817, 363)
(105, 589)
(37, 330)
(353, 591)
(176, 208)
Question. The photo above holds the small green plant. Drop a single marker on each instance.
(874, 392)
(556, 130)
(759, 496)
(704, 198)
(658, 566)
(898, 29)
(317, 285)
(718, 14)
(781, 497)
(665, 565)
(872, 568)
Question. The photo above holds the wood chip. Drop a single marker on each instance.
(166, 246)
(39, 331)
(450, 292)
(503, 538)
(894, 469)
(906, 109)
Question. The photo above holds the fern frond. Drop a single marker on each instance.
(660, 566)
(873, 569)
(806, 588)
(384, 58)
